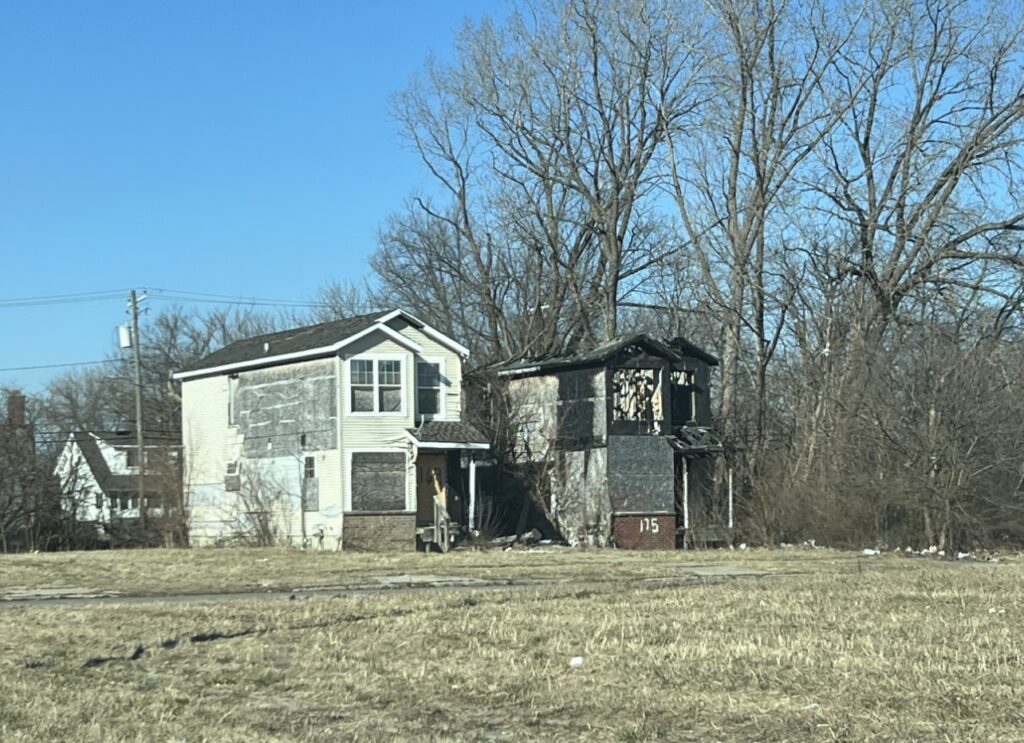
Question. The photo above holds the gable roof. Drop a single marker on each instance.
(309, 342)
(674, 350)
(88, 444)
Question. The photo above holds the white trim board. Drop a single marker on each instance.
(444, 444)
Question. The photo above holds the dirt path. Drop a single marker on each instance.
(381, 584)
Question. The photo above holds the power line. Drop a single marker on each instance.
(58, 366)
(182, 293)
(77, 297)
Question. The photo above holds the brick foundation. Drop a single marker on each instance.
(379, 531)
(644, 531)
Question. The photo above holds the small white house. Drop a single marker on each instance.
(98, 475)
(343, 433)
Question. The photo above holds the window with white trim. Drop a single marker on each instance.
(361, 371)
(389, 386)
(376, 386)
(428, 388)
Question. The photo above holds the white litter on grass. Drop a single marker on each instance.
(994, 610)
(743, 546)
(868, 552)
(576, 661)
(962, 555)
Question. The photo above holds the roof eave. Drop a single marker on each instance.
(311, 353)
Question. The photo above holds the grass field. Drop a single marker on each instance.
(828, 646)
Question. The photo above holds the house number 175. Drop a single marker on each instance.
(648, 523)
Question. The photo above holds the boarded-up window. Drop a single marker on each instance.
(378, 481)
(310, 485)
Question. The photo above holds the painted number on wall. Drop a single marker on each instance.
(650, 524)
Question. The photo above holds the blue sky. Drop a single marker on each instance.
(237, 148)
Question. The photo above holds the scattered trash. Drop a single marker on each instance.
(868, 552)
(962, 555)
(812, 705)
(576, 661)
(994, 610)
(743, 546)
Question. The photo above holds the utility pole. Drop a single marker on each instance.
(133, 303)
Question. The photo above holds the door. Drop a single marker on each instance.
(431, 476)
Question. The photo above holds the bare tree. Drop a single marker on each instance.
(542, 140)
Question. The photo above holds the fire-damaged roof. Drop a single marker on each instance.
(695, 440)
(448, 434)
(673, 350)
(310, 341)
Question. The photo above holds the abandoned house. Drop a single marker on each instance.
(343, 434)
(615, 443)
(98, 477)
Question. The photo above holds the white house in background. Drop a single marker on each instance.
(98, 475)
(346, 433)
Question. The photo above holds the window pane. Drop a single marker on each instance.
(390, 399)
(362, 399)
(389, 372)
(428, 375)
(362, 371)
(378, 481)
(310, 467)
(428, 402)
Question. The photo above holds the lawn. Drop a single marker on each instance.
(827, 646)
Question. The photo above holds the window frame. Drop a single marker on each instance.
(347, 500)
(442, 389)
(404, 387)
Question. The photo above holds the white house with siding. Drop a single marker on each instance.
(342, 434)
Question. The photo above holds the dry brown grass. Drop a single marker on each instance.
(898, 650)
(156, 572)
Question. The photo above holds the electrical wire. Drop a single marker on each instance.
(57, 366)
(101, 296)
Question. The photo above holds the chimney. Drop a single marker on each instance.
(15, 409)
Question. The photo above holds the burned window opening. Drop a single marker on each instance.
(637, 398)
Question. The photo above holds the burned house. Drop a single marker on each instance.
(614, 444)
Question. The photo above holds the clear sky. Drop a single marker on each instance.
(236, 148)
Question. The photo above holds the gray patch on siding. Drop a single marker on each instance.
(641, 473)
(280, 405)
(311, 494)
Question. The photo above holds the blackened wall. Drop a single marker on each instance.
(641, 474)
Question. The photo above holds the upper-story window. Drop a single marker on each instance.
(637, 400)
(428, 389)
(376, 386)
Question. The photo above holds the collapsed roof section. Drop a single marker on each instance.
(675, 349)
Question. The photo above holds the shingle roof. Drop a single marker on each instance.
(447, 432)
(108, 481)
(286, 341)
